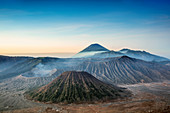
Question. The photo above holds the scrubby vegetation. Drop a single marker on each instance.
(76, 87)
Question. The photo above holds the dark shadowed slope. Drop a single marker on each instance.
(72, 86)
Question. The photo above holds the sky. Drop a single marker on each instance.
(68, 26)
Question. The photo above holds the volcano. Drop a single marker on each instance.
(91, 50)
(77, 86)
(94, 47)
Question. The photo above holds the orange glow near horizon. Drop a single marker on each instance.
(16, 50)
(38, 45)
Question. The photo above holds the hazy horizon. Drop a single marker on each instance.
(67, 54)
(60, 55)
(68, 26)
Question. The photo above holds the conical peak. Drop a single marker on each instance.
(95, 47)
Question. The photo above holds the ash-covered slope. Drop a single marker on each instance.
(8, 61)
(117, 70)
(125, 70)
(19, 68)
(26, 66)
(73, 86)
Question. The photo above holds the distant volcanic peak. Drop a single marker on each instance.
(90, 51)
(94, 47)
(77, 86)
(126, 58)
(124, 50)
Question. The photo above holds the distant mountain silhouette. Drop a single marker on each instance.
(73, 86)
(90, 51)
(143, 55)
(98, 51)
(94, 47)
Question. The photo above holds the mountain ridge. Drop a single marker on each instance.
(118, 70)
(138, 54)
(98, 51)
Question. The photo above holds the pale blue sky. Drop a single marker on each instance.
(48, 26)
